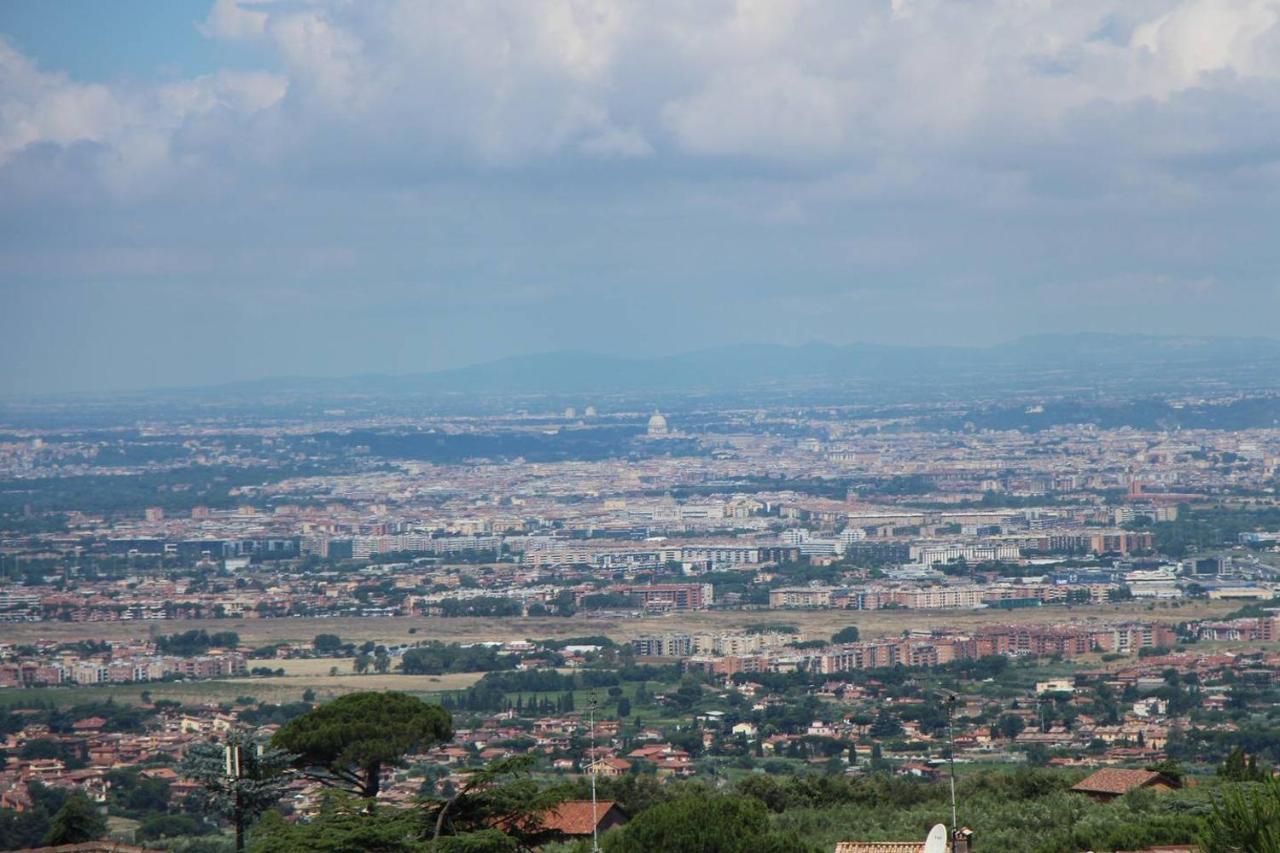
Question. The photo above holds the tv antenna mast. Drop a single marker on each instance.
(950, 702)
(595, 819)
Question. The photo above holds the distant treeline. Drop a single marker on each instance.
(493, 691)
(191, 643)
(1149, 414)
(568, 444)
(177, 490)
(436, 658)
(1207, 529)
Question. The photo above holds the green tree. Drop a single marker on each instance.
(344, 826)
(702, 824)
(885, 726)
(21, 830)
(134, 796)
(241, 778)
(1241, 768)
(1245, 819)
(846, 635)
(1010, 726)
(624, 707)
(327, 644)
(43, 748)
(76, 822)
(499, 794)
(1037, 755)
(161, 826)
(346, 743)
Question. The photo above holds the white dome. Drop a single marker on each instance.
(657, 424)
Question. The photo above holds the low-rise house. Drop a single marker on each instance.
(1112, 782)
(610, 766)
(576, 819)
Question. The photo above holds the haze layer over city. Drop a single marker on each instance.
(575, 426)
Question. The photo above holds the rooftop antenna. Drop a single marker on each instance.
(595, 819)
(950, 702)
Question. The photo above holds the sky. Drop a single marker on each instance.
(201, 192)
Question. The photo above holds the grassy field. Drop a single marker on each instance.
(275, 689)
(314, 674)
(814, 623)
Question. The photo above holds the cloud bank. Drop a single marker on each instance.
(406, 185)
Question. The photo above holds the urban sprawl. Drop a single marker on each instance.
(632, 594)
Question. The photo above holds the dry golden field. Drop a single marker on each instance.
(308, 674)
(327, 686)
(274, 689)
(814, 623)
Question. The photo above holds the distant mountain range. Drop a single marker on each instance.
(1084, 357)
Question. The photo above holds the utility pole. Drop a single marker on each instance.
(595, 819)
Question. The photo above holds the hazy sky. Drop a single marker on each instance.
(193, 192)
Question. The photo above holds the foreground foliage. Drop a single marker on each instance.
(1025, 810)
(1245, 818)
(701, 824)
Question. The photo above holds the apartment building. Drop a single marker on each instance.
(801, 596)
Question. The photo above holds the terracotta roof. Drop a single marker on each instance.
(880, 847)
(104, 846)
(614, 762)
(573, 817)
(89, 723)
(1113, 780)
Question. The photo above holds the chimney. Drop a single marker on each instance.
(962, 840)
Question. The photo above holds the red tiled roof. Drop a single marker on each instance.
(615, 762)
(104, 846)
(573, 817)
(1113, 780)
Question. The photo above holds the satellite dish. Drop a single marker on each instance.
(937, 840)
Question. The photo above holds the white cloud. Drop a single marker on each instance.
(36, 107)
(777, 111)
(590, 159)
(1205, 36)
(503, 84)
(132, 128)
(230, 19)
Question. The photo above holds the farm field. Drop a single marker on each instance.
(272, 689)
(397, 629)
(315, 674)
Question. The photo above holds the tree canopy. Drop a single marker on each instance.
(327, 644)
(76, 822)
(846, 635)
(696, 824)
(257, 782)
(346, 743)
(1245, 817)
